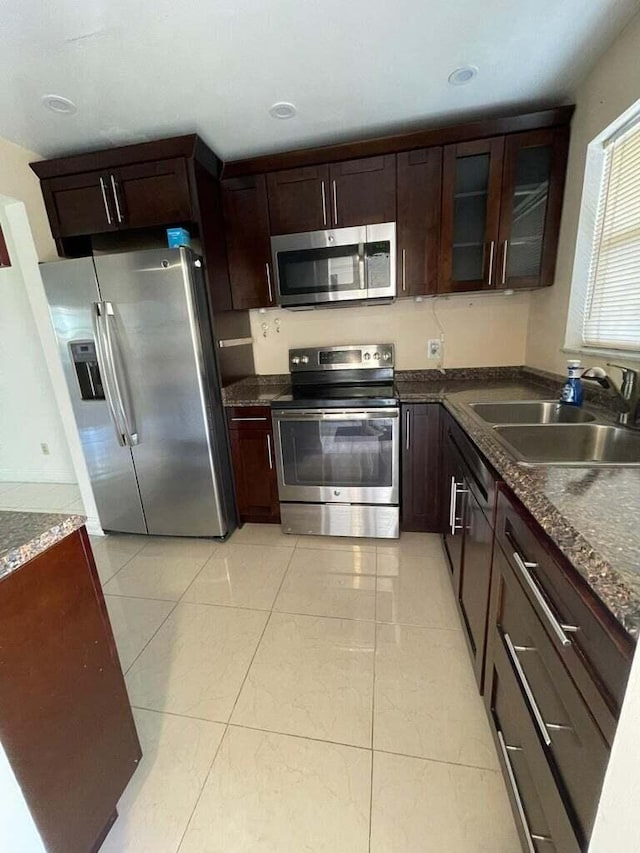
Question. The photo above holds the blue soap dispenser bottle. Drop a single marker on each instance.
(572, 389)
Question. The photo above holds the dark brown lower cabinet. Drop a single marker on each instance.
(65, 720)
(550, 656)
(475, 578)
(421, 500)
(254, 467)
(468, 536)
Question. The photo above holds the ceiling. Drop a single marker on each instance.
(152, 68)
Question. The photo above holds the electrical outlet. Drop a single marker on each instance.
(434, 348)
(44, 447)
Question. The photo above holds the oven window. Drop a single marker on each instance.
(349, 453)
(306, 271)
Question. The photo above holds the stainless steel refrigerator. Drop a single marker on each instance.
(137, 349)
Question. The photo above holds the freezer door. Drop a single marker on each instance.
(150, 300)
(72, 291)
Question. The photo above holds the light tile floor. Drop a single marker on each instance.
(41, 497)
(299, 693)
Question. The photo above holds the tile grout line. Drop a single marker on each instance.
(224, 734)
(175, 604)
(373, 698)
(204, 783)
(259, 643)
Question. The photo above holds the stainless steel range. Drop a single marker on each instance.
(338, 443)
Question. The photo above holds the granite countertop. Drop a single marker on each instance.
(24, 535)
(591, 514)
(256, 390)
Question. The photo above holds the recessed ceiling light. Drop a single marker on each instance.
(283, 109)
(462, 75)
(59, 104)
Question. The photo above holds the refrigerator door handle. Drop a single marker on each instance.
(122, 395)
(105, 370)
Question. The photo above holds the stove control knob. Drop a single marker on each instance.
(386, 355)
(376, 355)
(305, 359)
(295, 360)
(367, 356)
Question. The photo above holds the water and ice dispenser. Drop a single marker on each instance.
(85, 363)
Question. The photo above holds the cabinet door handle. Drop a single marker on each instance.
(492, 252)
(558, 629)
(505, 249)
(504, 749)
(324, 203)
(407, 429)
(268, 272)
(238, 420)
(404, 270)
(456, 489)
(115, 196)
(269, 451)
(104, 201)
(335, 203)
(524, 683)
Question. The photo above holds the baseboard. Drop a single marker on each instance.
(17, 476)
(93, 527)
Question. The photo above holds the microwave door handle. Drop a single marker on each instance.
(122, 396)
(361, 268)
(105, 370)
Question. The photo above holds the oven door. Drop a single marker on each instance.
(345, 264)
(325, 456)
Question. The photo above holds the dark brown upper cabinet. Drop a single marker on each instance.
(501, 205)
(136, 196)
(80, 204)
(363, 192)
(154, 193)
(471, 188)
(418, 220)
(299, 199)
(532, 189)
(246, 216)
(312, 198)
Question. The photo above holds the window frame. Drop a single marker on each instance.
(591, 190)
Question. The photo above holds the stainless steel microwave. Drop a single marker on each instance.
(341, 265)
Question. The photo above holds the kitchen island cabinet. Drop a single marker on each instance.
(65, 721)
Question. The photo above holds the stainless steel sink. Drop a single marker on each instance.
(571, 444)
(531, 412)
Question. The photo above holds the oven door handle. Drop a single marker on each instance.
(350, 415)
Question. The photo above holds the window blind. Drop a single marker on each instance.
(612, 308)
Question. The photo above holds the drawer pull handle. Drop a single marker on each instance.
(557, 727)
(558, 629)
(456, 489)
(524, 683)
(238, 420)
(514, 788)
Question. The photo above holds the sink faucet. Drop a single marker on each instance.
(628, 393)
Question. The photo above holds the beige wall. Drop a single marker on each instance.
(478, 331)
(612, 87)
(19, 182)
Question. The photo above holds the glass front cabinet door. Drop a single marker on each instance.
(501, 204)
(471, 187)
(532, 185)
